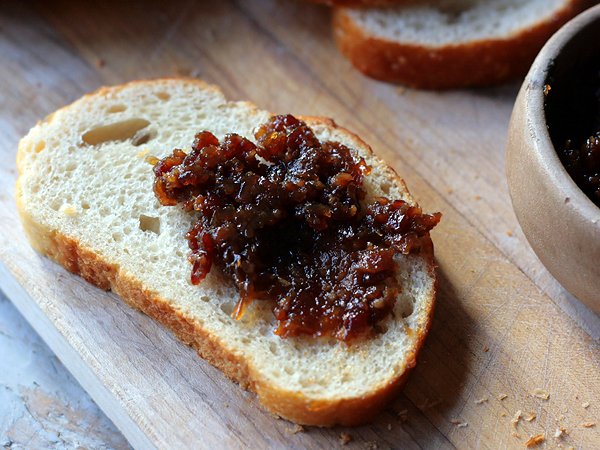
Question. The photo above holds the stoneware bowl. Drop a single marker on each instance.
(560, 222)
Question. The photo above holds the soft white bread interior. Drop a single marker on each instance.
(450, 43)
(85, 199)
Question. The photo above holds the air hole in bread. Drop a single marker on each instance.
(143, 137)
(385, 188)
(163, 96)
(71, 166)
(56, 204)
(273, 348)
(408, 309)
(118, 131)
(39, 146)
(104, 212)
(204, 298)
(85, 206)
(117, 237)
(226, 308)
(116, 109)
(148, 223)
(380, 328)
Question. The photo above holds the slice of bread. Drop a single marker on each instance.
(85, 198)
(443, 44)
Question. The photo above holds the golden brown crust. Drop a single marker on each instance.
(291, 405)
(478, 63)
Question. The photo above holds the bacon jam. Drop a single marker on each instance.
(286, 219)
(573, 114)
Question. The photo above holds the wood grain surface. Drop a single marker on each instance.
(503, 327)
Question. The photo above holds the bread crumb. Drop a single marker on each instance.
(561, 417)
(576, 396)
(481, 400)
(547, 89)
(503, 414)
(531, 417)
(517, 416)
(452, 150)
(226, 405)
(401, 91)
(152, 160)
(517, 435)
(478, 197)
(540, 393)
(389, 426)
(509, 233)
(502, 397)
(403, 415)
(535, 440)
(372, 445)
(559, 432)
(459, 424)
(143, 153)
(588, 424)
(99, 63)
(585, 405)
(487, 349)
(297, 429)
(67, 208)
(345, 438)
(448, 190)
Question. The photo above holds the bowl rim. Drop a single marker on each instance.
(536, 114)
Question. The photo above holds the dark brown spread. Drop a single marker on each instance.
(573, 112)
(286, 219)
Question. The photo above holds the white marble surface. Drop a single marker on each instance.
(41, 405)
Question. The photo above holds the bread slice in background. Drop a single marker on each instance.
(85, 199)
(444, 44)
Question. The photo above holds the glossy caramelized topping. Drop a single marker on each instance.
(573, 113)
(286, 219)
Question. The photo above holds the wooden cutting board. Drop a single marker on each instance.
(504, 335)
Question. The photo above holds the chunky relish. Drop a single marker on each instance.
(286, 219)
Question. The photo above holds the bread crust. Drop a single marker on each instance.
(483, 62)
(295, 406)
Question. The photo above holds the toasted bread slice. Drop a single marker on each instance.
(85, 199)
(443, 44)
